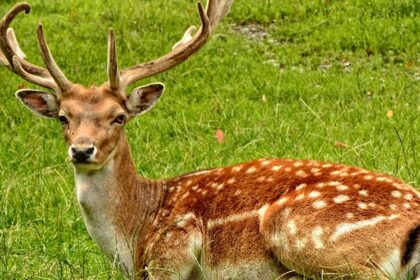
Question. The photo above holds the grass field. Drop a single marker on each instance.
(326, 80)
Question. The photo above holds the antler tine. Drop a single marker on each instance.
(217, 10)
(113, 73)
(62, 82)
(15, 47)
(3, 60)
(45, 82)
(10, 49)
(14, 44)
(188, 35)
(184, 48)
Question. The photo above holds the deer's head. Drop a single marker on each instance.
(93, 117)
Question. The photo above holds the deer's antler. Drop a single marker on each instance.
(53, 78)
(188, 45)
(15, 60)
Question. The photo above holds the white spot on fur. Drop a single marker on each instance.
(340, 198)
(220, 186)
(276, 167)
(396, 194)
(281, 200)
(335, 172)
(327, 165)
(237, 168)
(265, 162)
(252, 169)
(301, 173)
(237, 192)
(261, 179)
(298, 164)
(342, 188)
(349, 215)
(393, 216)
(362, 205)
(334, 183)
(219, 171)
(291, 225)
(301, 187)
(288, 169)
(317, 232)
(356, 186)
(195, 187)
(314, 194)
(188, 183)
(319, 204)
(363, 193)
(380, 179)
(300, 244)
(372, 204)
(368, 177)
(345, 228)
(300, 196)
(406, 205)
(393, 206)
(321, 185)
(408, 196)
(231, 181)
(315, 170)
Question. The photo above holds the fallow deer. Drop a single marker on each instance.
(264, 219)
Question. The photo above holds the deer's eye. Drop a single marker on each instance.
(120, 119)
(63, 119)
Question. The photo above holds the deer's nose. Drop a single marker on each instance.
(81, 154)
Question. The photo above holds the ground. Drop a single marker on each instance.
(324, 80)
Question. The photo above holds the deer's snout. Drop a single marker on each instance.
(82, 151)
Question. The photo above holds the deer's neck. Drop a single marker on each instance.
(118, 206)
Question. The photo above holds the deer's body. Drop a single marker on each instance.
(265, 219)
(255, 220)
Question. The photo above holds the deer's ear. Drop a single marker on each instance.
(143, 98)
(40, 102)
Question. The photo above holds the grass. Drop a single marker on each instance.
(326, 80)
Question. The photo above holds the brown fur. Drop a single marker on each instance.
(249, 239)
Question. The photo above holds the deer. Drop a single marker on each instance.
(263, 219)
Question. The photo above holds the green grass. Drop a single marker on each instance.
(329, 72)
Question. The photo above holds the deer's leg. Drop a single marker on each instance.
(175, 253)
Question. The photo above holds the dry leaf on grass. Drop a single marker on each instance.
(220, 136)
